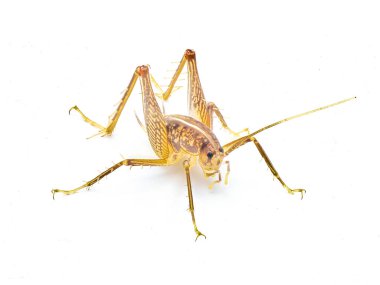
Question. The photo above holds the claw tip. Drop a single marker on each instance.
(71, 109)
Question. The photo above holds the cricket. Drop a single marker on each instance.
(184, 139)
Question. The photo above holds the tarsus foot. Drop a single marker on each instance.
(66, 192)
(75, 108)
(292, 191)
(102, 130)
(198, 234)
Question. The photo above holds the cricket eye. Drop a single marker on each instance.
(210, 154)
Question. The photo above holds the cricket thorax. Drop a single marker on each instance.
(186, 133)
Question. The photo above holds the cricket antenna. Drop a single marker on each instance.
(228, 148)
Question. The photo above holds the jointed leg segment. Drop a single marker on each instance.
(107, 131)
(211, 109)
(186, 166)
(196, 94)
(125, 162)
(273, 170)
(196, 98)
(232, 146)
(86, 119)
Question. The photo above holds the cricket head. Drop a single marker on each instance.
(210, 158)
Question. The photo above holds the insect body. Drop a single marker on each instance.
(178, 138)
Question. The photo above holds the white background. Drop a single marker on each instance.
(259, 61)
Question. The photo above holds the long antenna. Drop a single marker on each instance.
(301, 115)
(243, 140)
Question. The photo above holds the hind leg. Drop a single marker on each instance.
(107, 131)
(198, 107)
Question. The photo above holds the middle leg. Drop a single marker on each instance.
(125, 162)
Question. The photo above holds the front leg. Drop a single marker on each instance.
(274, 171)
(186, 166)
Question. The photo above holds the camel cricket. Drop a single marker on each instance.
(184, 139)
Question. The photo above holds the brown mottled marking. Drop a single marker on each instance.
(189, 134)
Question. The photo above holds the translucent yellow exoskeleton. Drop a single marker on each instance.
(183, 139)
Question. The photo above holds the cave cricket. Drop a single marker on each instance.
(184, 139)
